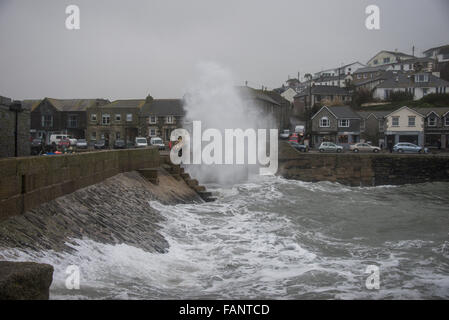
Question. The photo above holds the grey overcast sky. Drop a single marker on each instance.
(128, 49)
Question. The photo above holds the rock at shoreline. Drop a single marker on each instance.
(25, 280)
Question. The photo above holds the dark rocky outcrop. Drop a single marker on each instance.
(25, 280)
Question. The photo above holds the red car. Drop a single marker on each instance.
(64, 143)
(293, 137)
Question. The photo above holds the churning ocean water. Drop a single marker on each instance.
(272, 238)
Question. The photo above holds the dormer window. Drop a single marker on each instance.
(431, 121)
(446, 121)
(421, 78)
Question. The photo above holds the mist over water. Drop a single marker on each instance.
(215, 101)
(271, 238)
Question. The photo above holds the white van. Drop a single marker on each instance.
(55, 138)
(141, 142)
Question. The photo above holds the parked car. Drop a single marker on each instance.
(293, 138)
(330, 147)
(285, 134)
(157, 142)
(141, 142)
(299, 129)
(64, 143)
(55, 138)
(409, 148)
(299, 147)
(119, 144)
(363, 147)
(81, 144)
(100, 144)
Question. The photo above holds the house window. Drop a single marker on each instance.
(431, 121)
(386, 60)
(117, 135)
(376, 61)
(93, 136)
(359, 76)
(446, 121)
(411, 121)
(421, 78)
(169, 119)
(362, 125)
(129, 117)
(425, 91)
(153, 119)
(106, 119)
(47, 121)
(118, 117)
(343, 123)
(93, 117)
(324, 122)
(381, 125)
(73, 121)
(395, 121)
(152, 132)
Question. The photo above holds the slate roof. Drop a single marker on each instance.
(164, 107)
(441, 49)
(128, 103)
(377, 114)
(30, 104)
(250, 93)
(372, 69)
(341, 112)
(405, 80)
(440, 111)
(72, 104)
(324, 90)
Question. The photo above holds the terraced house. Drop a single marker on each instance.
(119, 119)
(161, 116)
(417, 85)
(336, 124)
(436, 127)
(372, 127)
(61, 115)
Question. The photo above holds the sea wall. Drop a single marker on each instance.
(362, 169)
(27, 182)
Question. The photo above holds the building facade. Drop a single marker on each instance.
(388, 57)
(118, 120)
(159, 117)
(417, 84)
(404, 125)
(436, 127)
(336, 124)
(62, 116)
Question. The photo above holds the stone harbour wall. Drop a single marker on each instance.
(27, 182)
(362, 169)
